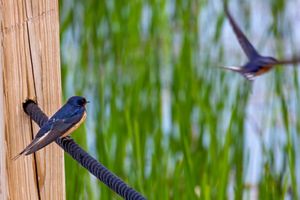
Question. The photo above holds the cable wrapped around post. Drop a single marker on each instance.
(82, 157)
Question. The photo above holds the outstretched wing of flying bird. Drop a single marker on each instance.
(247, 47)
(286, 62)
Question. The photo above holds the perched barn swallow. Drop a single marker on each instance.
(62, 123)
(257, 64)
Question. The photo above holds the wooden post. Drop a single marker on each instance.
(29, 68)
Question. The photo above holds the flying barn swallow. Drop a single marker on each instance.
(62, 123)
(257, 64)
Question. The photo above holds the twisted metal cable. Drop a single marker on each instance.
(83, 158)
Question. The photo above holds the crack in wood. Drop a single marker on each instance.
(17, 26)
(35, 93)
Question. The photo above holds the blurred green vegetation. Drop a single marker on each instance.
(162, 116)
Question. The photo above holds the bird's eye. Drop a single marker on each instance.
(81, 102)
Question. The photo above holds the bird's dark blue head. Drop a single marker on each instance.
(268, 60)
(77, 101)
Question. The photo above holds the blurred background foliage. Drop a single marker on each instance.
(163, 117)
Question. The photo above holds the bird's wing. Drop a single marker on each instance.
(42, 132)
(58, 129)
(286, 62)
(247, 47)
(50, 132)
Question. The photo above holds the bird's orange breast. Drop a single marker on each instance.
(263, 70)
(75, 126)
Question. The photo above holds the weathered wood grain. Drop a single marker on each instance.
(30, 68)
